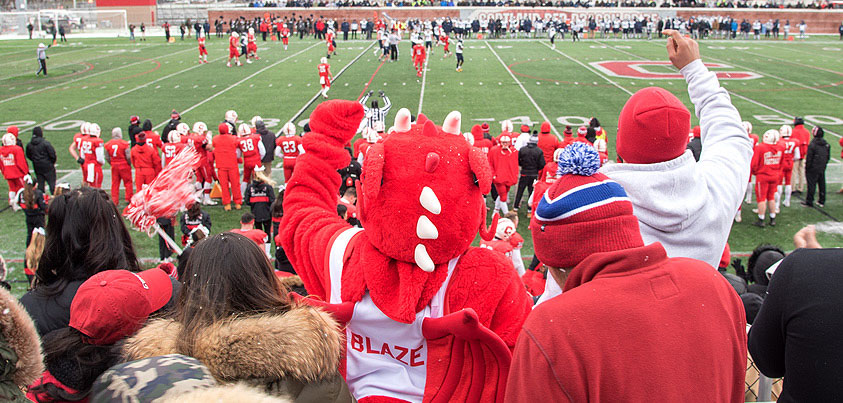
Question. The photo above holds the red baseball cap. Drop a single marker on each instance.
(114, 304)
(134, 119)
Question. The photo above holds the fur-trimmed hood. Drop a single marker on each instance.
(19, 333)
(303, 343)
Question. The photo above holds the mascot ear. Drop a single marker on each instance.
(479, 164)
(371, 178)
(421, 119)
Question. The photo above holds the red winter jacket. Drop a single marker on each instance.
(145, 159)
(504, 165)
(548, 143)
(634, 326)
(225, 151)
(801, 134)
(13, 164)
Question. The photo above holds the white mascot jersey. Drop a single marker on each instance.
(383, 357)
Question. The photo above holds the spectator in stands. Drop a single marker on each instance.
(797, 332)
(612, 334)
(43, 157)
(816, 160)
(688, 206)
(108, 307)
(83, 238)
(235, 318)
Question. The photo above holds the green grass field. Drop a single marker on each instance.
(107, 80)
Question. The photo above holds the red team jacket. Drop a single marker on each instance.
(14, 163)
(225, 151)
(145, 159)
(256, 235)
(504, 165)
(548, 143)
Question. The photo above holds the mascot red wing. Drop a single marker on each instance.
(421, 205)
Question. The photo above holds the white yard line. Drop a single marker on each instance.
(772, 76)
(129, 91)
(89, 76)
(829, 55)
(533, 101)
(589, 68)
(792, 62)
(318, 92)
(250, 76)
(732, 93)
(424, 80)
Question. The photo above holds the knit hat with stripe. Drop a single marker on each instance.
(582, 213)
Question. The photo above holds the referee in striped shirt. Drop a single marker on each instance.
(375, 113)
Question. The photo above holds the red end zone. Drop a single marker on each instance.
(637, 69)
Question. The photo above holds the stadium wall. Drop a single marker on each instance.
(137, 11)
(819, 21)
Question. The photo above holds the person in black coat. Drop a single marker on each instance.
(816, 160)
(531, 161)
(134, 128)
(695, 145)
(192, 218)
(43, 157)
(259, 196)
(796, 334)
(175, 119)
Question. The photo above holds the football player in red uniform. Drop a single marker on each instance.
(117, 154)
(203, 52)
(790, 152)
(233, 53)
(419, 54)
(178, 141)
(766, 166)
(445, 43)
(200, 140)
(332, 44)
(76, 144)
(251, 46)
(285, 36)
(288, 148)
(325, 76)
(93, 152)
(250, 148)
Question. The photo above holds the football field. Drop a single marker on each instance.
(107, 80)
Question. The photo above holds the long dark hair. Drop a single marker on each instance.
(85, 235)
(227, 276)
(277, 207)
(64, 348)
(29, 195)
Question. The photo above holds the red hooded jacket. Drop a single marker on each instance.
(634, 326)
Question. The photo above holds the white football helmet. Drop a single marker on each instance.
(85, 128)
(235, 34)
(255, 119)
(505, 229)
(770, 136)
(786, 131)
(9, 139)
(506, 126)
(183, 129)
(323, 60)
(200, 127)
(174, 136)
(289, 129)
(231, 116)
(94, 129)
(252, 31)
(505, 140)
(244, 130)
(747, 126)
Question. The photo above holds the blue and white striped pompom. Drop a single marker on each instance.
(579, 159)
